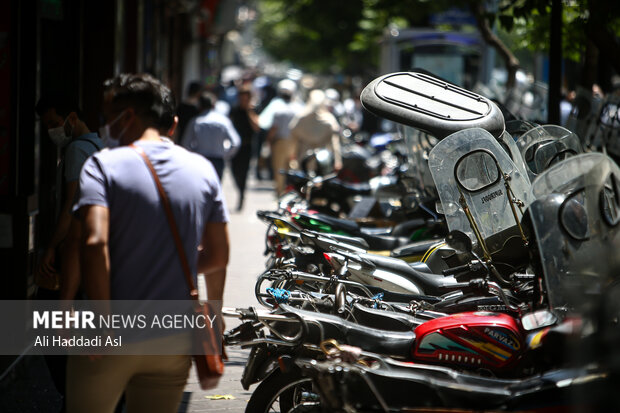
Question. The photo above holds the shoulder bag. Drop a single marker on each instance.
(208, 355)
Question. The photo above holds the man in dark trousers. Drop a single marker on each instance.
(245, 121)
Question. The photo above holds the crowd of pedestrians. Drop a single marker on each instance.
(278, 124)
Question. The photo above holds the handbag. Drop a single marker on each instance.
(209, 364)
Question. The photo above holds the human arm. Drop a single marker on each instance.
(271, 133)
(94, 216)
(71, 278)
(335, 143)
(336, 151)
(253, 119)
(46, 266)
(95, 256)
(213, 258)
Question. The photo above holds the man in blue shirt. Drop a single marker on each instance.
(212, 134)
(128, 252)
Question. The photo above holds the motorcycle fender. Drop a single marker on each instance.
(261, 362)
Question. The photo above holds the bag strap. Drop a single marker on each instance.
(170, 216)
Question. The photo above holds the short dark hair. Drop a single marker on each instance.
(60, 102)
(193, 88)
(152, 100)
(207, 101)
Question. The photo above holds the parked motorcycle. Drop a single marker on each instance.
(484, 196)
(568, 341)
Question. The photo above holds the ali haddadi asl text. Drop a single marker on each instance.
(77, 341)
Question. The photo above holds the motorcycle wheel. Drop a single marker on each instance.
(284, 393)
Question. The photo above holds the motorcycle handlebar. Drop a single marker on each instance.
(455, 271)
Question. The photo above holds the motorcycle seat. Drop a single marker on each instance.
(349, 189)
(430, 283)
(406, 228)
(383, 242)
(415, 249)
(326, 326)
(336, 223)
(388, 320)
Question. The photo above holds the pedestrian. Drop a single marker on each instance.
(278, 137)
(316, 128)
(212, 134)
(127, 250)
(245, 121)
(188, 109)
(62, 119)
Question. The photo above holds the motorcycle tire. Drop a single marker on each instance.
(280, 389)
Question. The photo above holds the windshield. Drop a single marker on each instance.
(544, 146)
(575, 219)
(419, 144)
(471, 162)
(510, 146)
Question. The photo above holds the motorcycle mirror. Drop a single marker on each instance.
(459, 241)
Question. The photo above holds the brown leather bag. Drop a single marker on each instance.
(208, 356)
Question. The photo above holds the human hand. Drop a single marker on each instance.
(46, 265)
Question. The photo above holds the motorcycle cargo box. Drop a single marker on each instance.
(430, 104)
(475, 340)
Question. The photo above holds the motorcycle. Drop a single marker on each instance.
(484, 197)
(569, 338)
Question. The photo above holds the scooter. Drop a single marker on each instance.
(568, 340)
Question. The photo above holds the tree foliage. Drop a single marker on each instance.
(343, 36)
(585, 24)
(333, 36)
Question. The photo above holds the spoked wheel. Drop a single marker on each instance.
(284, 393)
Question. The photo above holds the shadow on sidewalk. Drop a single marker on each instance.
(28, 387)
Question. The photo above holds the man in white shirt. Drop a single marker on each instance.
(212, 134)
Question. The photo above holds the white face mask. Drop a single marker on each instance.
(106, 137)
(108, 141)
(59, 135)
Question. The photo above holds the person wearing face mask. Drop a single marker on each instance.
(127, 250)
(62, 120)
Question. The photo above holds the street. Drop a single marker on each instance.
(247, 234)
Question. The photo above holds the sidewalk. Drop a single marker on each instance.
(247, 239)
(28, 388)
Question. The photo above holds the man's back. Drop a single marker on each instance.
(212, 135)
(143, 258)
